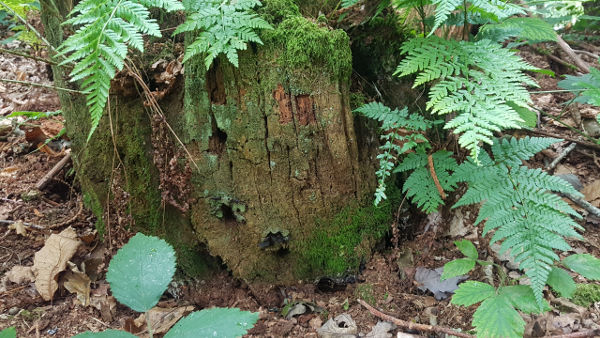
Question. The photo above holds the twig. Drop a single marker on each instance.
(40, 36)
(43, 85)
(34, 226)
(411, 325)
(584, 204)
(565, 46)
(50, 174)
(562, 155)
(13, 290)
(580, 334)
(25, 55)
(561, 61)
(585, 52)
(435, 178)
(581, 143)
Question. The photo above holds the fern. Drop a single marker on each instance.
(400, 134)
(531, 29)
(99, 46)
(587, 84)
(420, 186)
(518, 204)
(225, 27)
(348, 3)
(480, 81)
(492, 9)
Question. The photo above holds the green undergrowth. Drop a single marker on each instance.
(275, 11)
(339, 246)
(586, 294)
(302, 44)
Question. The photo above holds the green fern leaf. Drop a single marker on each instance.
(99, 46)
(420, 186)
(225, 27)
(518, 205)
(531, 29)
(443, 9)
(496, 317)
(480, 81)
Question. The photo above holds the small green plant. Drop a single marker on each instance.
(224, 28)
(9, 332)
(139, 274)
(586, 294)
(587, 87)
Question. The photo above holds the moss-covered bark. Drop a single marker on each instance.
(279, 163)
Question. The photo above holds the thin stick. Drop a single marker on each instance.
(42, 85)
(581, 143)
(40, 36)
(50, 174)
(562, 155)
(585, 52)
(25, 55)
(435, 178)
(588, 333)
(565, 46)
(34, 226)
(584, 204)
(411, 325)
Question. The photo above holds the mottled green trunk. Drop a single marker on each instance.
(281, 177)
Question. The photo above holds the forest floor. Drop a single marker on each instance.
(29, 215)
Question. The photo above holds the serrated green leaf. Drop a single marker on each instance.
(528, 116)
(105, 334)
(472, 292)
(467, 248)
(9, 332)
(584, 264)
(141, 271)
(522, 298)
(457, 267)
(496, 317)
(561, 282)
(216, 322)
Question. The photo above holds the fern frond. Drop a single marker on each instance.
(99, 45)
(394, 118)
(519, 206)
(443, 9)
(224, 28)
(480, 81)
(420, 186)
(531, 29)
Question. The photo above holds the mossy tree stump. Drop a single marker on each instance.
(276, 149)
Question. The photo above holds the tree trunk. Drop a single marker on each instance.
(282, 186)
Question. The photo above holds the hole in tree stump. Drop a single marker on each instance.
(217, 142)
(215, 84)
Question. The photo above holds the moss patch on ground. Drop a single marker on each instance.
(586, 294)
(348, 239)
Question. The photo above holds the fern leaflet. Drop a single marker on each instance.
(400, 134)
(420, 186)
(99, 46)
(531, 29)
(519, 206)
(225, 27)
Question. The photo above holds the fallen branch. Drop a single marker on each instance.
(585, 52)
(562, 155)
(565, 46)
(29, 225)
(584, 204)
(588, 333)
(411, 325)
(25, 55)
(50, 174)
(435, 178)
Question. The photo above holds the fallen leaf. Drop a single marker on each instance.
(19, 228)
(163, 319)
(20, 274)
(78, 282)
(107, 305)
(592, 192)
(52, 259)
(430, 280)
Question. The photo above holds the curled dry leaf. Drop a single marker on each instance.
(52, 259)
(78, 282)
(163, 319)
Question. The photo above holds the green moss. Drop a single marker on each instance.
(302, 44)
(92, 202)
(357, 100)
(275, 11)
(339, 246)
(586, 294)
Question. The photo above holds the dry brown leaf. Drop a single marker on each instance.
(19, 228)
(163, 319)
(20, 274)
(78, 282)
(592, 192)
(52, 259)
